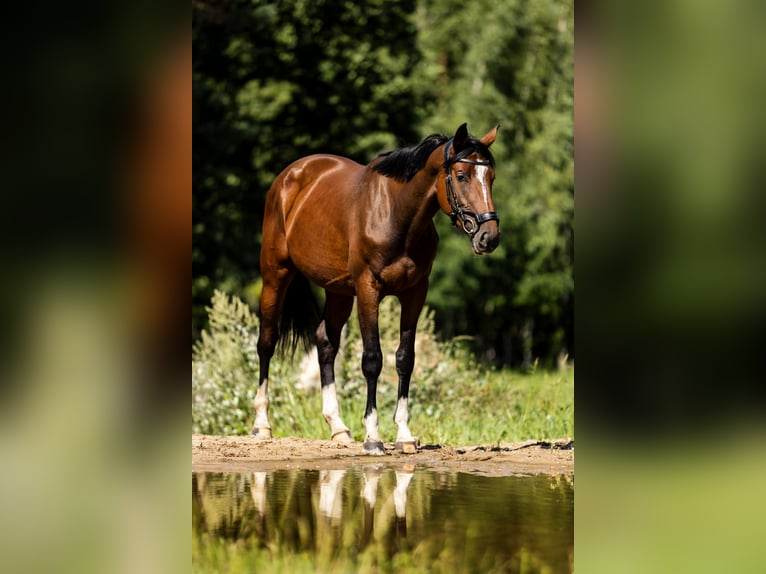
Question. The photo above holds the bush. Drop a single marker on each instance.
(225, 372)
(225, 368)
(453, 398)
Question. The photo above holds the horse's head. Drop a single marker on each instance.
(467, 190)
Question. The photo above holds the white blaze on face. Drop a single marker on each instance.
(482, 174)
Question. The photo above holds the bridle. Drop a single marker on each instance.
(471, 221)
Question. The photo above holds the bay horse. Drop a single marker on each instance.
(366, 231)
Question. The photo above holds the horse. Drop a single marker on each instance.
(365, 232)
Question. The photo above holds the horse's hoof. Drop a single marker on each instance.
(262, 433)
(343, 436)
(375, 448)
(408, 447)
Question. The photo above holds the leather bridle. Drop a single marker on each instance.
(470, 220)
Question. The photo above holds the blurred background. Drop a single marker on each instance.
(275, 81)
(94, 263)
(671, 313)
(669, 125)
(670, 128)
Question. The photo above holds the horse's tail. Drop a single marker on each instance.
(300, 316)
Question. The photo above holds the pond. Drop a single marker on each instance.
(373, 518)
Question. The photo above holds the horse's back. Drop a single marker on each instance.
(319, 179)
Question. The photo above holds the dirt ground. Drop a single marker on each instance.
(246, 453)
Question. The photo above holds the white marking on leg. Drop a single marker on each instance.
(331, 411)
(261, 406)
(400, 493)
(329, 493)
(370, 492)
(371, 425)
(258, 491)
(402, 419)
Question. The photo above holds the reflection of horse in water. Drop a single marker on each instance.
(383, 523)
(370, 513)
(397, 498)
(366, 232)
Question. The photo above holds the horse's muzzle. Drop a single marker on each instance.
(486, 240)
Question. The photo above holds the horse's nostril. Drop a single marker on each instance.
(483, 239)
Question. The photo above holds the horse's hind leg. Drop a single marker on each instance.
(275, 284)
(336, 312)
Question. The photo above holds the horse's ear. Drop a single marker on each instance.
(489, 137)
(461, 136)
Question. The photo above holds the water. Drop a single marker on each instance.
(374, 518)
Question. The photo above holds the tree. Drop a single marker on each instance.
(510, 63)
(274, 81)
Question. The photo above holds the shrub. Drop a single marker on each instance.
(225, 374)
(225, 368)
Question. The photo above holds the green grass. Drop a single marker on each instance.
(213, 555)
(497, 406)
(454, 399)
(500, 406)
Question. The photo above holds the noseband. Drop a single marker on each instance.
(471, 221)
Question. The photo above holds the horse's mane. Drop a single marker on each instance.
(402, 164)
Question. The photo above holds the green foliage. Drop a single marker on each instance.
(274, 81)
(225, 368)
(453, 398)
(512, 65)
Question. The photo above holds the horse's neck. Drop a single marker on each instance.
(416, 204)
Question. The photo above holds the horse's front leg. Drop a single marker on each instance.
(412, 302)
(368, 299)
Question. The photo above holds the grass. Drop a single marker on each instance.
(501, 406)
(453, 399)
(213, 555)
(498, 406)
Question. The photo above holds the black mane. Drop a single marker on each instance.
(402, 164)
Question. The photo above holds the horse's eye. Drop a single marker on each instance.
(461, 176)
